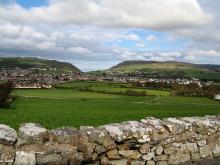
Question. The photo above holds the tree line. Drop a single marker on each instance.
(192, 89)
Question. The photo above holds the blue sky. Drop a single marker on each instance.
(82, 32)
(32, 3)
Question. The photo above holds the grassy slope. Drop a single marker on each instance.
(170, 68)
(68, 107)
(97, 111)
(36, 63)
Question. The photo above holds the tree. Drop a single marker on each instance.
(5, 91)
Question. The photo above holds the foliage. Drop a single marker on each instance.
(119, 88)
(194, 89)
(135, 93)
(5, 90)
(155, 85)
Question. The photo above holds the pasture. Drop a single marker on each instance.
(67, 105)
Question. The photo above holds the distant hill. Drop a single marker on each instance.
(25, 63)
(168, 69)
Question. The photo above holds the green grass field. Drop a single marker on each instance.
(70, 107)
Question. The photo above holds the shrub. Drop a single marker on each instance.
(5, 91)
(134, 93)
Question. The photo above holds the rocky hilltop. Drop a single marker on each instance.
(150, 141)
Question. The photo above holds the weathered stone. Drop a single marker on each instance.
(137, 162)
(73, 155)
(65, 150)
(86, 147)
(49, 158)
(162, 163)
(195, 156)
(118, 162)
(177, 145)
(171, 150)
(94, 156)
(132, 154)
(178, 158)
(23, 158)
(161, 157)
(202, 124)
(189, 147)
(6, 148)
(7, 157)
(145, 148)
(213, 140)
(162, 129)
(148, 156)
(129, 130)
(65, 135)
(201, 143)
(157, 123)
(113, 154)
(76, 159)
(216, 151)
(123, 146)
(99, 136)
(31, 133)
(8, 135)
(180, 125)
(104, 161)
(99, 149)
(204, 151)
(108, 143)
(150, 162)
(183, 136)
(159, 150)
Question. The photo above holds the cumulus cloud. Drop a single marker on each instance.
(79, 50)
(151, 38)
(157, 14)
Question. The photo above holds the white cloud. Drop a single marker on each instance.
(10, 30)
(151, 38)
(132, 37)
(157, 14)
(209, 53)
(79, 50)
(57, 35)
(46, 45)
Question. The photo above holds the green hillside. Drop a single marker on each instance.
(168, 69)
(25, 63)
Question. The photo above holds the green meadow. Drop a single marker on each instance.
(68, 105)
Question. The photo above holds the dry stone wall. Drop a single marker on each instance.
(150, 141)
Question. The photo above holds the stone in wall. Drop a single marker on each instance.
(31, 133)
(8, 135)
(23, 158)
(129, 130)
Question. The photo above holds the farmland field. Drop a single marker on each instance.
(67, 105)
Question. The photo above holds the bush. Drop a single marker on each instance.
(5, 91)
(134, 93)
(194, 89)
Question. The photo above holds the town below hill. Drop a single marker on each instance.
(41, 73)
